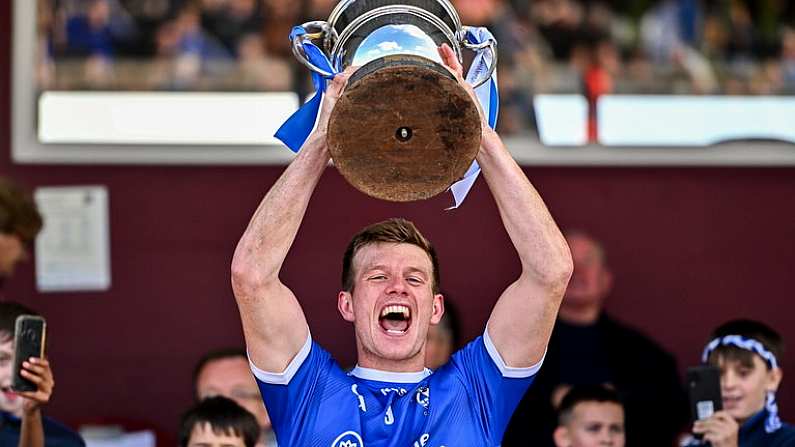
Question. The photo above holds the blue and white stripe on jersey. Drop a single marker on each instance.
(467, 402)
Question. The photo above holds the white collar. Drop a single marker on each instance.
(390, 376)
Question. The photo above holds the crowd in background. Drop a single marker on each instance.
(546, 46)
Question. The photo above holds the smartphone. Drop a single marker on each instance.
(29, 341)
(703, 386)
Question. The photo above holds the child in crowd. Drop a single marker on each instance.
(590, 416)
(748, 355)
(218, 422)
(21, 419)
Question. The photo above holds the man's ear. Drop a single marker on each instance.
(345, 306)
(561, 437)
(438, 309)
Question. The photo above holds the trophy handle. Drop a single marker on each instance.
(298, 45)
(490, 45)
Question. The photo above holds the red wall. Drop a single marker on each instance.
(690, 249)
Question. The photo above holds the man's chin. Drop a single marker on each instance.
(579, 300)
(396, 352)
(738, 413)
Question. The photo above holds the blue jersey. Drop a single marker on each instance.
(467, 402)
(55, 434)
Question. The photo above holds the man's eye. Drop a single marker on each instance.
(414, 280)
(377, 277)
(593, 428)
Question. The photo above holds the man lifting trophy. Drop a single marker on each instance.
(404, 129)
(401, 126)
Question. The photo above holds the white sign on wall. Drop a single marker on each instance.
(73, 248)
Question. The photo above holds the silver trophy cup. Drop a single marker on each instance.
(404, 129)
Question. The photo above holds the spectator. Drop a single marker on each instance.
(230, 21)
(196, 46)
(21, 420)
(20, 222)
(788, 59)
(226, 373)
(443, 338)
(560, 23)
(218, 422)
(589, 347)
(148, 16)
(747, 353)
(280, 17)
(590, 416)
(186, 52)
(259, 70)
(89, 34)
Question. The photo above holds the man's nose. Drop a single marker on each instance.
(728, 380)
(612, 439)
(606, 441)
(396, 285)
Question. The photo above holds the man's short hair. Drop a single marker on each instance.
(759, 331)
(395, 230)
(18, 213)
(9, 311)
(585, 393)
(224, 417)
(218, 354)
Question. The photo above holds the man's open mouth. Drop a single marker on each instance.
(395, 319)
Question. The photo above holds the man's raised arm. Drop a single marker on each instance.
(273, 323)
(522, 320)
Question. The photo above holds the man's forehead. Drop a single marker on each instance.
(751, 360)
(224, 368)
(385, 254)
(584, 245)
(590, 410)
(205, 433)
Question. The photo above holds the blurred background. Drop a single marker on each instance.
(690, 247)
(732, 47)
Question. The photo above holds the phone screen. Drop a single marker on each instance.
(28, 342)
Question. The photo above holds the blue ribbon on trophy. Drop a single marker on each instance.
(489, 98)
(297, 128)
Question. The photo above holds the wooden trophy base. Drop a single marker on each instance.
(403, 129)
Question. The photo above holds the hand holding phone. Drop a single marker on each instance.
(33, 377)
(29, 341)
(719, 430)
